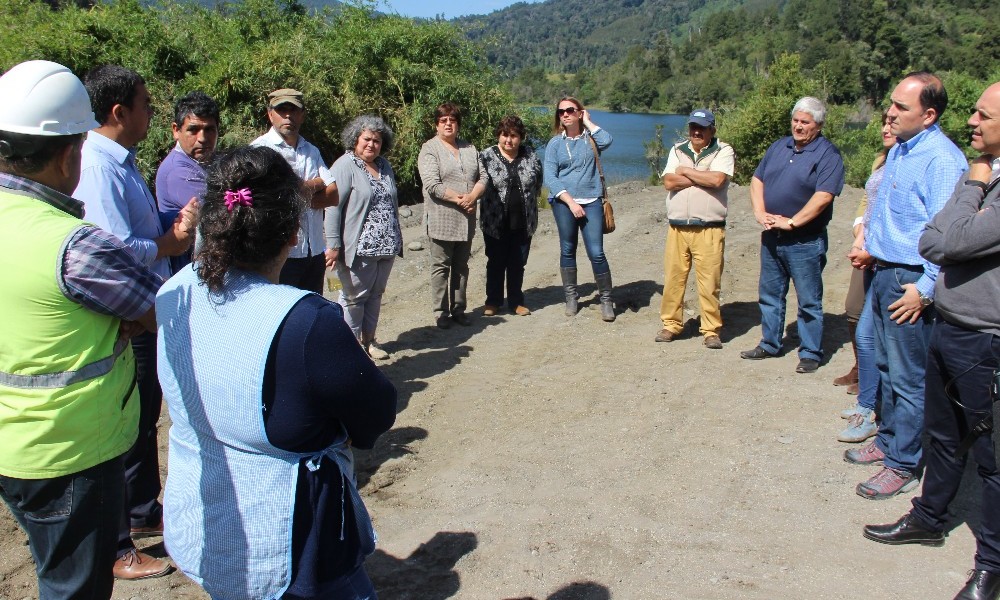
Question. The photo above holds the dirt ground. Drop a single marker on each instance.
(565, 458)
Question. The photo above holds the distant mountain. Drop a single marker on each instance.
(564, 36)
(307, 4)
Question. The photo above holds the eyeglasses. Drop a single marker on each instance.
(570, 110)
(447, 120)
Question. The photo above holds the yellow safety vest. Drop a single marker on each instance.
(68, 399)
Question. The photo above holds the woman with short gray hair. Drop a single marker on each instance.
(363, 237)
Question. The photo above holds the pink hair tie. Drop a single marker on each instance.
(241, 196)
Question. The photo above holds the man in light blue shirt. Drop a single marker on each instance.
(116, 199)
(920, 175)
(306, 264)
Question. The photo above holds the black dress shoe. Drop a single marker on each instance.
(906, 530)
(807, 365)
(757, 353)
(982, 585)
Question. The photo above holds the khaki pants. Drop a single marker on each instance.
(449, 275)
(705, 246)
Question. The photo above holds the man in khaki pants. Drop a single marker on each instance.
(697, 176)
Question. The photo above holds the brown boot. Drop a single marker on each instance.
(851, 377)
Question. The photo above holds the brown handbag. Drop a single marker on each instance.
(609, 211)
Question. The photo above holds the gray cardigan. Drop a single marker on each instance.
(964, 238)
(343, 223)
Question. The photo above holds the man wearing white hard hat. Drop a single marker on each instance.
(68, 403)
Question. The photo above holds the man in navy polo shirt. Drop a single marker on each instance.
(792, 194)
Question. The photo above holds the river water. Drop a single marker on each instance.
(626, 159)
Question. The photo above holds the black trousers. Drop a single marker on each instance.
(960, 361)
(142, 463)
(304, 273)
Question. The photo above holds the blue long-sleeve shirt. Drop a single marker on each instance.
(570, 164)
(118, 201)
(920, 175)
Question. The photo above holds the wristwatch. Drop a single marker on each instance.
(925, 300)
(791, 223)
(976, 183)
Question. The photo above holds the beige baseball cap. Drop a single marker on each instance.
(285, 96)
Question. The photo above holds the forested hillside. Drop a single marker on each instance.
(350, 63)
(673, 55)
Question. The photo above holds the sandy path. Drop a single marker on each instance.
(553, 457)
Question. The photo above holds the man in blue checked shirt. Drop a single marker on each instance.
(117, 200)
(920, 175)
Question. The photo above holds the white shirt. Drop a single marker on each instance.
(307, 163)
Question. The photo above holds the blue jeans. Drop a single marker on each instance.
(72, 527)
(592, 227)
(901, 356)
(864, 341)
(800, 259)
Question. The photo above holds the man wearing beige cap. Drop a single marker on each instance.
(306, 265)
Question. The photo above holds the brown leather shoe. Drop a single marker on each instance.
(136, 565)
(713, 342)
(665, 335)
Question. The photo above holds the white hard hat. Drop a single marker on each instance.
(43, 98)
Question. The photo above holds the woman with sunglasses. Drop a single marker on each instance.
(572, 175)
(451, 177)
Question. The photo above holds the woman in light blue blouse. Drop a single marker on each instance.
(576, 192)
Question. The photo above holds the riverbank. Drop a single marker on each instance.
(567, 458)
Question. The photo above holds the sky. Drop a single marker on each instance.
(450, 8)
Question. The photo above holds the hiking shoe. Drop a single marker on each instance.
(860, 427)
(869, 454)
(490, 311)
(757, 353)
(665, 335)
(462, 319)
(443, 321)
(887, 483)
(847, 413)
(713, 342)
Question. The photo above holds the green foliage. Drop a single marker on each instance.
(764, 114)
(346, 63)
(656, 152)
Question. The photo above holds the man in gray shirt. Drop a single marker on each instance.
(964, 239)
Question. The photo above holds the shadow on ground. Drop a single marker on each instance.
(426, 574)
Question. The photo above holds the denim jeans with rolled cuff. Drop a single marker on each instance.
(799, 259)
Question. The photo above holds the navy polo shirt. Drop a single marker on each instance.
(792, 176)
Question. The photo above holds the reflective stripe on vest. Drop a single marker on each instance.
(65, 378)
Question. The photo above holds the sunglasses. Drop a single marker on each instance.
(569, 111)
(447, 120)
